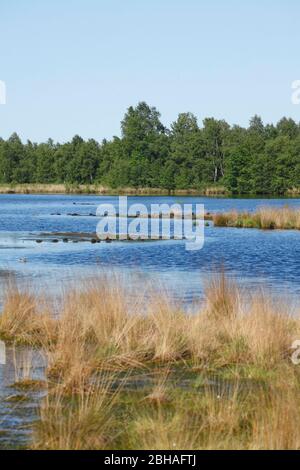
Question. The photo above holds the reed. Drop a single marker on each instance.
(82, 420)
(267, 218)
(59, 188)
(293, 191)
(139, 372)
(24, 319)
(216, 191)
(102, 325)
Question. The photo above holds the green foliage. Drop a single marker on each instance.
(262, 159)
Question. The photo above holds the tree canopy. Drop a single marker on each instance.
(260, 159)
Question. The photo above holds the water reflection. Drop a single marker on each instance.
(18, 405)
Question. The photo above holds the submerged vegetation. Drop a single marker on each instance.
(268, 218)
(149, 158)
(137, 371)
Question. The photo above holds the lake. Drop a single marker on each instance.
(255, 257)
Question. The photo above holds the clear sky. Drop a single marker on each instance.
(74, 66)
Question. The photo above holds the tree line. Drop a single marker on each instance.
(259, 159)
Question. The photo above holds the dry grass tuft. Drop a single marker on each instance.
(22, 321)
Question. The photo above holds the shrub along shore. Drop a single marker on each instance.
(137, 372)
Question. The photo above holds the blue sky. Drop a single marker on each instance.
(74, 66)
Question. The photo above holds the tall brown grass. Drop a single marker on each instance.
(286, 218)
(24, 321)
(101, 325)
(293, 191)
(83, 419)
(139, 372)
(56, 188)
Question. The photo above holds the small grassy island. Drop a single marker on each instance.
(267, 218)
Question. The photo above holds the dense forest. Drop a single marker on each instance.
(262, 159)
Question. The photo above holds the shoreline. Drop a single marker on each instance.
(65, 189)
(103, 190)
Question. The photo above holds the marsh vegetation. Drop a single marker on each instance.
(268, 218)
(139, 372)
